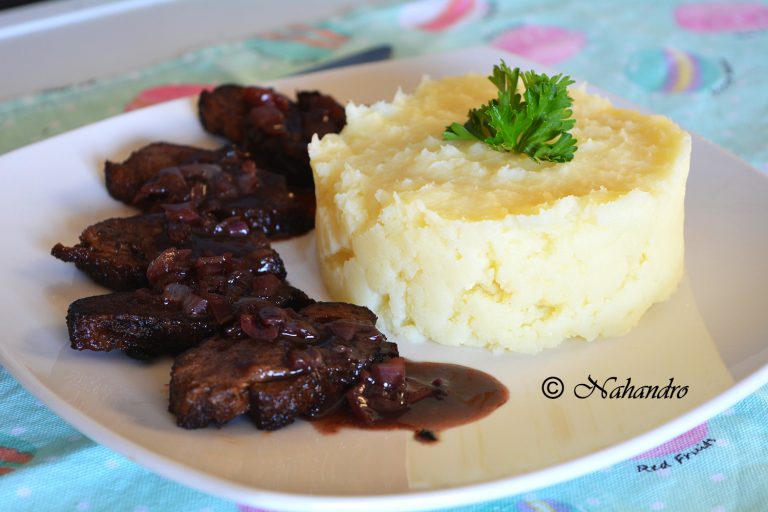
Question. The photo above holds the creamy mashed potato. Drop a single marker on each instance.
(464, 245)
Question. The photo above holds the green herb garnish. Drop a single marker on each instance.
(535, 123)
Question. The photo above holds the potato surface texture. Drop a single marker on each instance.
(464, 245)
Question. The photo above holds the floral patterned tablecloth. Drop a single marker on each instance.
(704, 64)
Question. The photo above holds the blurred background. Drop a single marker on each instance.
(52, 43)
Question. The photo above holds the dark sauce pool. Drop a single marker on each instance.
(469, 395)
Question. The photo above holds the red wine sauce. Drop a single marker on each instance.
(469, 395)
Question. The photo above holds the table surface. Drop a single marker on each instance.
(701, 63)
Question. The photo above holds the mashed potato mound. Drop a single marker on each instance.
(455, 242)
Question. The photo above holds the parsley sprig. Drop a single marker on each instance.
(535, 123)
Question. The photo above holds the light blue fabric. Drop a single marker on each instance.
(703, 64)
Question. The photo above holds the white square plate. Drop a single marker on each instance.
(711, 336)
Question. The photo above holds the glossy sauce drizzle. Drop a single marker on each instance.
(466, 395)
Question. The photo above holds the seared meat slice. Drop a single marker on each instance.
(138, 323)
(124, 180)
(223, 183)
(192, 299)
(274, 129)
(116, 252)
(283, 365)
(223, 110)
